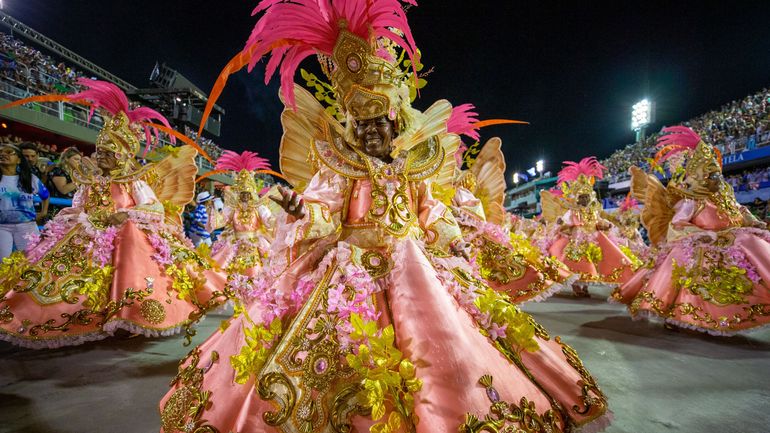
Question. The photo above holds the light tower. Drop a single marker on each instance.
(641, 116)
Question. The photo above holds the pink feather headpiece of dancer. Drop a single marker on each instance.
(628, 204)
(109, 97)
(249, 161)
(292, 30)
(675, 140)
(463, 121)
(588, 167)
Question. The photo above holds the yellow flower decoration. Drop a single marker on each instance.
(96, 287)
(254, 353)
(388, 378)
(11, 270)
(519, 332)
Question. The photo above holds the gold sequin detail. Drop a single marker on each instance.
(153, 311)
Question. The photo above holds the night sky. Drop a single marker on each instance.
(572, 69)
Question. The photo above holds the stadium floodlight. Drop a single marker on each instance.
(515, 178)
(539, 166)
(641, 114)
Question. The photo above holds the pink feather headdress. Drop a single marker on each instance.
(248, 161)
(464, 121)
(588, 167)
(628, 204)
(675, 140)
(109, 97)
(292, 30)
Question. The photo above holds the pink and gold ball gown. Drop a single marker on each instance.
(84, 280)
(712, 270)
(117, 259)
(508, 261)
(373, 323)
(712, 275)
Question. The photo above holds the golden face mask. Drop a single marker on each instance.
(702, 163)
(117, 136)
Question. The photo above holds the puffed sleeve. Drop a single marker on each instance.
(323, 200)
(436, 219)
(146, 204)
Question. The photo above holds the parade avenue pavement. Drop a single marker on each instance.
(656, 380)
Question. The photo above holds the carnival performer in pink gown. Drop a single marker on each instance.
(626, 230)
(509, 263)
(582, 238)
(117, 259)
(242, 248)
(712, 270)
(377, 324)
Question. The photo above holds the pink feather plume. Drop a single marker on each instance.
(248, 161)
(463, 121)
(109, 97)
(676, 139)
(589, 167)
(629, 203)
(292, 30)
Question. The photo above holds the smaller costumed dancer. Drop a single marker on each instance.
(510, 263)
(626, 229)
(582, 240)
(712, 271)
(117, 259)
(243, 245)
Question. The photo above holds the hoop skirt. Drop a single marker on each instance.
(508, 262)
(591, 253)
(711, 276)
(83, 279)
(368, 328)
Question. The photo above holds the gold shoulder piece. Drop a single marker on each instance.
(334, 153)
(425, 160)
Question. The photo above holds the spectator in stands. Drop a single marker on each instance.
(18, 188)
(198, 233)
(29, 150)
(62, 185)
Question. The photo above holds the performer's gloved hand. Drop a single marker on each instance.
(291, 202)
(603, 226)
(117, 218)
(462, 249)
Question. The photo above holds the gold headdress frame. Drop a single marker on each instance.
(582, 185)
(118, 136)
(702, 162)
(245, 182)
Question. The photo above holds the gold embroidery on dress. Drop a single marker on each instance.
(184, 409)
(507, 417)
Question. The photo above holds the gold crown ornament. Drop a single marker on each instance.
(245, 182)
(703, 162)
(580, 186)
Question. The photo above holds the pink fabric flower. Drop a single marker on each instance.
(162, 249)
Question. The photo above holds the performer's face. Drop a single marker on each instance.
(713, 181)
(106, 159)
(244, 196)
(583, 199)
(374, 136)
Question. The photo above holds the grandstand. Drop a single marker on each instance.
(25, 71)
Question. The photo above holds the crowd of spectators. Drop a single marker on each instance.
(736, 126)
(34, 70)
(750, 180)
(208, 145)
(31, 72)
